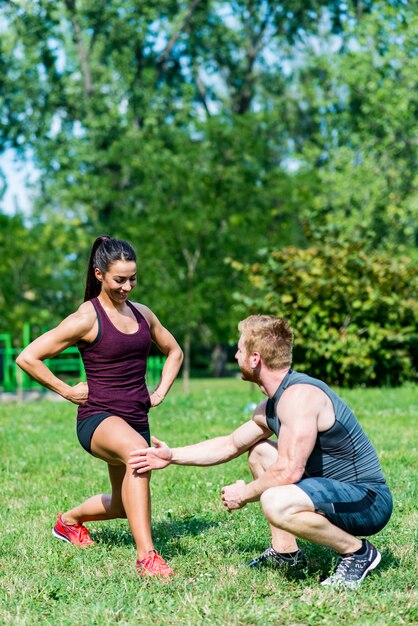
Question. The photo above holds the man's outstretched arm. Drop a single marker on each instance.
(298, 432)
(210, 452)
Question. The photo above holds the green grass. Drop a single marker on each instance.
(43, 471)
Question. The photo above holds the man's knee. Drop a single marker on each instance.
(272, 504)
(280, 504)
(263, 454)
(255, 454)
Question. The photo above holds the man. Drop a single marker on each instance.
(322, 482)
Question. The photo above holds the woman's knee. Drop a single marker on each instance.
(122, 448)
(113, 505)
(114, 440)
(118, 511)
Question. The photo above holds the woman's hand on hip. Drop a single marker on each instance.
(79, 393)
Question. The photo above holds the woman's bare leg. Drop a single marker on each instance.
(112, 442)
(103, 506)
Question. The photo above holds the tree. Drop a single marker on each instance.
(353, 309)
(121, 113)
(38, 284)
(359, 96)
(206, 130)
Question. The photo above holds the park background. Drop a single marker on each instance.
(261, 156)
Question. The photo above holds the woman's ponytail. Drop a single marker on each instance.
(105, 251)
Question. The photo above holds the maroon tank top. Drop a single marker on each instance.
(115, 364)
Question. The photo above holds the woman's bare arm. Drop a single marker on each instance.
(73, 329)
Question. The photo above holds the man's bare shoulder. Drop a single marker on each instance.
(301, 393)
(259, 415)
(302, 400)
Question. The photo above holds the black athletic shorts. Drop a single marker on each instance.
(87, 426)
(359, 509)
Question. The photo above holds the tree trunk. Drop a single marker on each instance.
(186, 363)
(191, 262)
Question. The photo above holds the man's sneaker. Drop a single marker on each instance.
(153, 565)
(77, 534)
(353, 568)
(275, 559)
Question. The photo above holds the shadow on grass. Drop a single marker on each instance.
(324, 560)
(388, 561)
(167, 537)
(165, 533)
(321, 560)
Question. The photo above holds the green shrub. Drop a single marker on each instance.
(353, 310)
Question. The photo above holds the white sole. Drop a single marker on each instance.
(340, 583)
(58, 536)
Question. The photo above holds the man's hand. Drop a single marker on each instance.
(233, 496)
(147, 459)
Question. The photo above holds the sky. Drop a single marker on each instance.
(16, 175)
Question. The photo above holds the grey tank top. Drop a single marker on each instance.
(343, 452)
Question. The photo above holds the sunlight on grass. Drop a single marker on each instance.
(44, 471)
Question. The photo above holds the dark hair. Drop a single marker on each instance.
(105, 251)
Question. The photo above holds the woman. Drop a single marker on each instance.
(114, 338)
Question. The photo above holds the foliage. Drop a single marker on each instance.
(37, 286)
(353, 309)
(43, 470)
(201, 131)
(362, 107)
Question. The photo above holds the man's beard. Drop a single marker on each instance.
(248, 374)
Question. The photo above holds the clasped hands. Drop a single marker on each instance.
(147, 459)
(233, 496)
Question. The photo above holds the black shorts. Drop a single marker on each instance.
(359, 509)
(87, 426)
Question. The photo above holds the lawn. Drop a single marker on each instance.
(43, 471)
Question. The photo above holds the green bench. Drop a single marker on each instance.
(68, 362)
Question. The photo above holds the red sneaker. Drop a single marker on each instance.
(77, 534)
(153, 565)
